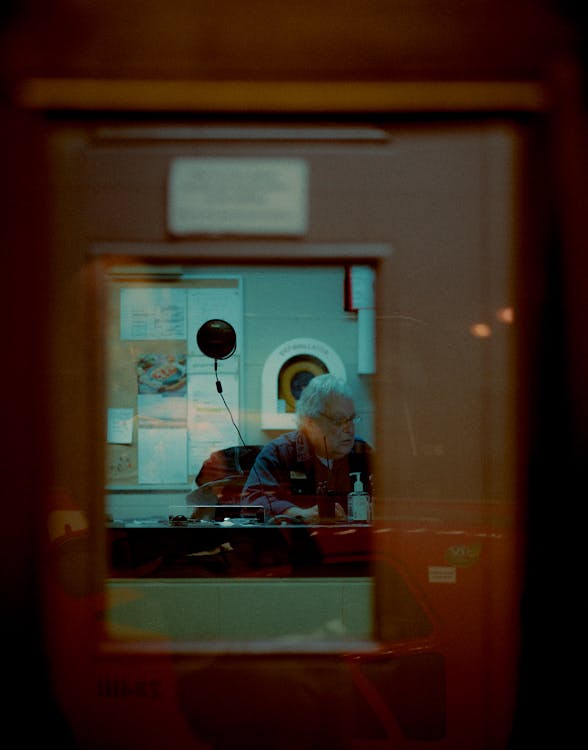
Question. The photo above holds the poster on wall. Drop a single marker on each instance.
(169, 416)
(160, 411)
(162, 373)
(119, 429)
(214, 303)
(210, 427)
(152, 313)
(162, 456)
(161, 418)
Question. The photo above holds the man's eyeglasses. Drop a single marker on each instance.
(340, 422)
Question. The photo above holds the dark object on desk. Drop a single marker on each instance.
(217, 514)
(326, 506)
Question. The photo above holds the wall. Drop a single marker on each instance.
(443, 200)
(283, 304)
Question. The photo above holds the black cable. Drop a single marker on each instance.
(219, 389)
(329, 469)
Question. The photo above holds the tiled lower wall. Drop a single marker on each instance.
(290, 610)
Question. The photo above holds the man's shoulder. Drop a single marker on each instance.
(282, 450)
(361, 446)
(282, 442)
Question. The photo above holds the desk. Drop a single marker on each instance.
(158, 548)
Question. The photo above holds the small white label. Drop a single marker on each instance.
(442, 574)
(120, 426)
(261, 196)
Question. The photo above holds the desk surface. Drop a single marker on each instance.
(228, 523)
(237, 548)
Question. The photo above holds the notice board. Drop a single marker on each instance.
(164, 413)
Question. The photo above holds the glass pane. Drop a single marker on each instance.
(205, 368)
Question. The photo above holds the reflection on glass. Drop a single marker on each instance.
(199, 491)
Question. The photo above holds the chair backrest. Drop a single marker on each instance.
(237, 459)
(223, 475)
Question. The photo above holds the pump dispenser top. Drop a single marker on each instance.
(358, 484)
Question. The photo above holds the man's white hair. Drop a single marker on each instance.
(316, 394)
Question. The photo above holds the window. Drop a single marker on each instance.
(182, 432)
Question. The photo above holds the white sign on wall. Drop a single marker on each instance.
(251, 196)
(272, 416)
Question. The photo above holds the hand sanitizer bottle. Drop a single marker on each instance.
(358, 502)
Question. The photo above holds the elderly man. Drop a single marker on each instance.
(307, 474)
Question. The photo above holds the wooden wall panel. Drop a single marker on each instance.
(300, 39)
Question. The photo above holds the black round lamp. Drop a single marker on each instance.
(217, 339)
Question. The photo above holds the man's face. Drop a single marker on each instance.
(332, 433)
